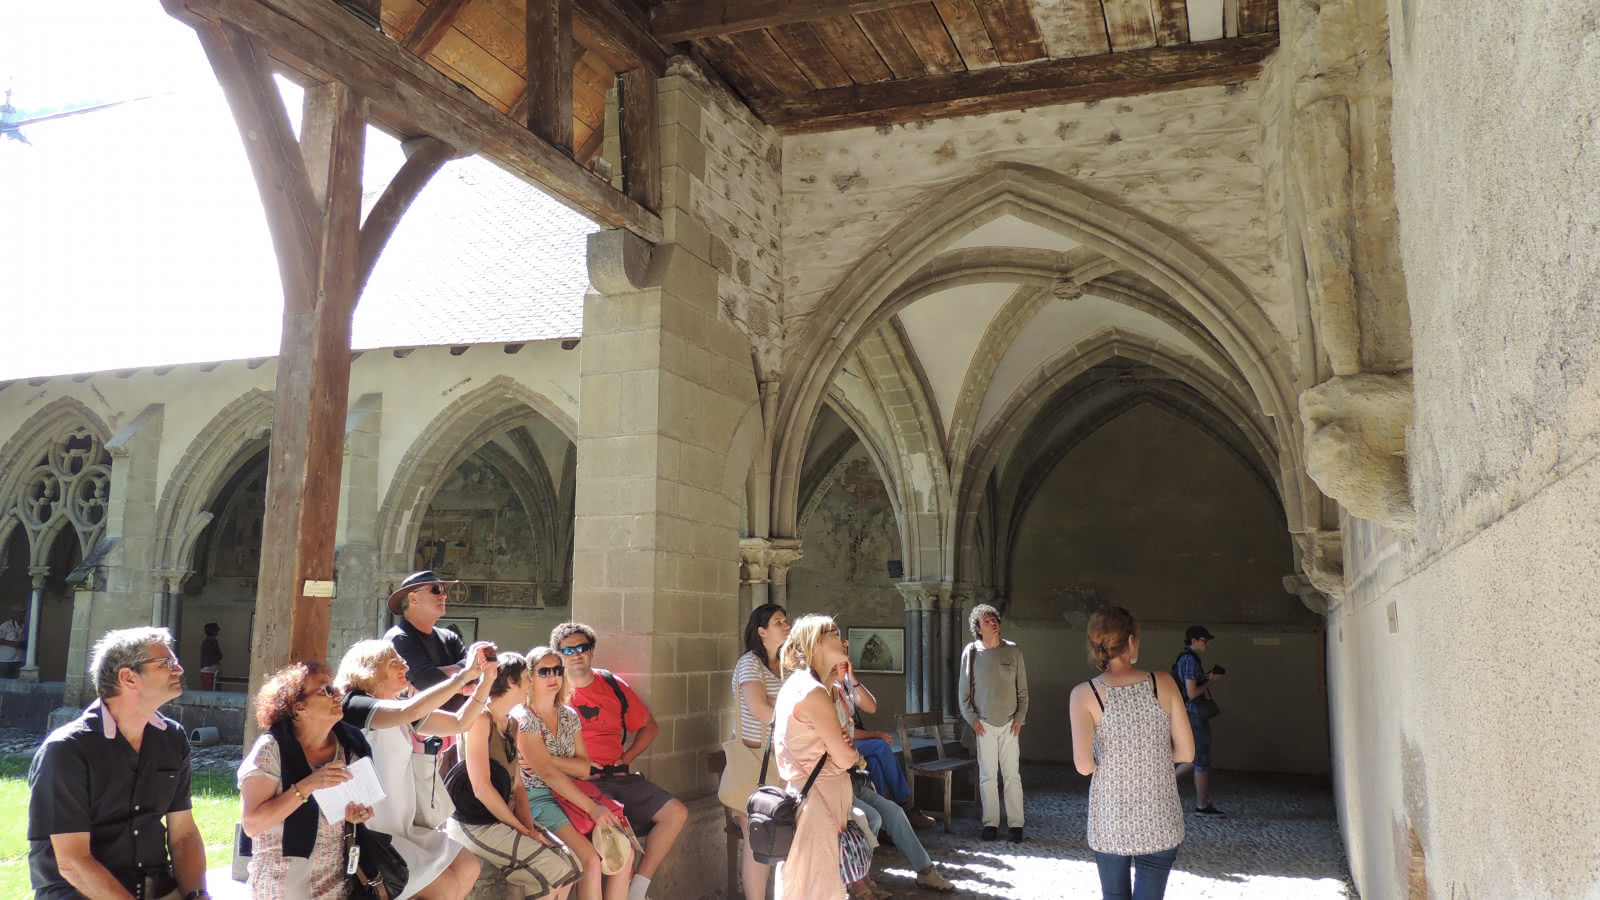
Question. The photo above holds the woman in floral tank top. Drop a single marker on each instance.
(1128, 729)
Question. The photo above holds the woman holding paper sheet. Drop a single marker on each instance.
(379, 700)
(297, 853)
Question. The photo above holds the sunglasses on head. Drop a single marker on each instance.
(550, 671)
(575, 650)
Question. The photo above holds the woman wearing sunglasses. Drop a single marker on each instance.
(550, 740)
(297, 853)
(379, 700)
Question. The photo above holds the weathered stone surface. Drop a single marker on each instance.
(1355, 428)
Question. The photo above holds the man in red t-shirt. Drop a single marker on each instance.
(611, 712)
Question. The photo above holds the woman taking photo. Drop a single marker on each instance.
(297, 853)
(550, 738)
(808, 730)
(373, 679)
(756, 681)
(491, 817)
(1128, 729)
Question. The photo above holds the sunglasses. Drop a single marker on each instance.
(574, 651)
(550, 671)
(436, 590)
(167, 662)
(326, 690)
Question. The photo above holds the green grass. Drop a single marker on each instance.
(216, 811)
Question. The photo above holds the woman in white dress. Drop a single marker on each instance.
(377, 699)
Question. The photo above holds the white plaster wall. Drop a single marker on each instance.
(1187, 158)
(1473, 721)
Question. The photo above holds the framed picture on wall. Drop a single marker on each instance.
(878, 650)
(467, 628)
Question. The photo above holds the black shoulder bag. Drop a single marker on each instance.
(774, 813)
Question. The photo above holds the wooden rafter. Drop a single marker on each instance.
(424, 158)
(686, 20)
(1015, 87)
(549, 88)
(641, 151)
(318, 42)
(601, 26)
(433, 25)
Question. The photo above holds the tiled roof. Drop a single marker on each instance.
(480, 258)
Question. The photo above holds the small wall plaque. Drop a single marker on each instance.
(317, 589)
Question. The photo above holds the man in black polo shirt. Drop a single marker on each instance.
(100, 786)
(433, 654)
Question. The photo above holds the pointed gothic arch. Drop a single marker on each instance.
(234, 436)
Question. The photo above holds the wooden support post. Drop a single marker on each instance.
(641, 150)
(549, 90)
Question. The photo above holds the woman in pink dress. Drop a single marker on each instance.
(807, 728)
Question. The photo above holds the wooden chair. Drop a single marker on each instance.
(716, 761)
(938, 769)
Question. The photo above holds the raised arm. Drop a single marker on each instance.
(817, 711)
(422, 704)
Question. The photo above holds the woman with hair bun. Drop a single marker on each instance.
(1128, 729)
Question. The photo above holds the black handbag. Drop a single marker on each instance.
(377, 871)
(773, 813)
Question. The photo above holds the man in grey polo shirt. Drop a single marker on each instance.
(994, 701)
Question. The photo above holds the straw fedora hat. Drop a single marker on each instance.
(412, 582)
(613, 848)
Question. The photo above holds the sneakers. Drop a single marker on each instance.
(1016, 835)
(1209, 810)
(990, 832)
(931, 877)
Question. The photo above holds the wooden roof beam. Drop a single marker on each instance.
(433, 25)
(1100, 77)
(321, 43)
(600, 26)
(687, 20)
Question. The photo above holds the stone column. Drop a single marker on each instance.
(956, 637)
(925, 644)
(30, 666)
(784, 553)
(754, 555)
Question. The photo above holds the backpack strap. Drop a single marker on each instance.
(772, 732)
(622, 697)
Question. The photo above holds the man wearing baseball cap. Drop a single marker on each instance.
(1195, 682)
(433, 654)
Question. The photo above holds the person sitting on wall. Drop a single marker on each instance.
(100, 785)
(431, 654)
(888, 778)
(210, 657)
(609, 710)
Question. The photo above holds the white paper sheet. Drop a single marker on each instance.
(363, 788)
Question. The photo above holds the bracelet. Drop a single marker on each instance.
(296, 788)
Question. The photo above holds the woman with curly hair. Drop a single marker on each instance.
(492, 817)
(379, 700)
(1128, 728)
(550, 738)
(808, 738)
(298, 854)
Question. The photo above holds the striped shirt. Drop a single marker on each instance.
(749, 668)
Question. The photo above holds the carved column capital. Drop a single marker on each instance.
(38, 574)
(1355, 445)
(1321, 556)
(755, 554)
(1301, 586)
(924, 595)
(785, 552)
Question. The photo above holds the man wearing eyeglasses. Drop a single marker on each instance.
(101, 786)
(609, 710)
(433, 654)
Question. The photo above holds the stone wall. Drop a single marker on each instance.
(1463, 660)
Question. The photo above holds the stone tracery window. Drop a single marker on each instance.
(71, 481)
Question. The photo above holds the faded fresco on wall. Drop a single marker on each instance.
(476, 530)
(238, 548)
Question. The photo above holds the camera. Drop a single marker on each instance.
(1218, 670)
(490, 655)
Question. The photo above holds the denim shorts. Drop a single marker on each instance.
(1201, 726)
(546, 811)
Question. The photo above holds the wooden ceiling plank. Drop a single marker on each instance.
(1254, 16)
(1005, 88)
(590, 148)
(688, 20)
(549, 55)
(742, 72)
(1172, 21)
(966, 29)
(811, 55)
(925, 31)
(852, 49)
(1012, 30)
(433, 25)
(475, 68)
(884, 33)
(323, 43)
(399, 17)
(1074, 28)
(762, 50)
(1130, 23)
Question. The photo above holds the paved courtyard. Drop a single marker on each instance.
(1280, 840)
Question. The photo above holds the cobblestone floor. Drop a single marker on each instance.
(1280, 840)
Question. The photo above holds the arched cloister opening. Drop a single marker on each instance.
(223, 565)
(485, 495)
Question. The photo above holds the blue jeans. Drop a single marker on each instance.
(887, 775)
(1201, 727)
(1150, 875)
(894, 821)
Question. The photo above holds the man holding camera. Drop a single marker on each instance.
(1196, 683)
